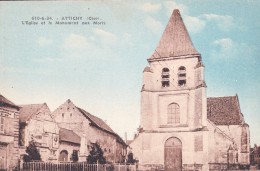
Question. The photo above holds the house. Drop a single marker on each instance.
(255, 156)
(37, 125)
(69, 144)
(91, 129)
(180, 128)
(9, 134)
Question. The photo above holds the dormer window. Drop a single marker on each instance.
(182, 76)
(165, 77)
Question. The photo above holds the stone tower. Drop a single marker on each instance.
(173, 92)
(173, 130)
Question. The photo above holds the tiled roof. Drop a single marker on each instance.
(96, 121)
(69, 136)
(27, 111)
(224, 110)
(100, 124)
(5, 102)
(175, 41)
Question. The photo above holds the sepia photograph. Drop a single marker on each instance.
(122, 85)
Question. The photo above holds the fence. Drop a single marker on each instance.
(225, 166)
(84, 166)
(75, 166)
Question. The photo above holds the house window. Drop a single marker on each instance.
(1, 124)
(182, 76)
(173, 113)
(165, 77)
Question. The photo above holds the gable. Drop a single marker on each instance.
(68, 113)
(43, 113)
(35, 111)
(27, 111)
(224, 110)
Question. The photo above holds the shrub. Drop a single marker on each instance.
(96, 154)
(32, 153)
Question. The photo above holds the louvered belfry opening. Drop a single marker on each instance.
(182, 76)
(165, 77)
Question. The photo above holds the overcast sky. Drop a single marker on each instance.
(99, 67)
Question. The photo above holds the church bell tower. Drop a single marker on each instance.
(173, 95)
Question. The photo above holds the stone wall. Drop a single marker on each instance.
(69, 117)
(69, 147)
(148, 147)
(240, 135)
(42, 129)
(10, 136)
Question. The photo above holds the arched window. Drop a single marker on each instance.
(63, 155)
(173, 113)
(182, 76)
(165, 77)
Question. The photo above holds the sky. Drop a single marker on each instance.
(99, 66)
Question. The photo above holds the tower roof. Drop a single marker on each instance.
(175, 41)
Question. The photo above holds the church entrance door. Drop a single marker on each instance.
(173, 155)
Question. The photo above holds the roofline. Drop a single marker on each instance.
(238, 105)
(69, 141)
(10, 105)
(237, 102)
(217, 128)
(195, 55)
(21, 105)
(42, 104)
(92, 122)
(97, 126)
(219, 97)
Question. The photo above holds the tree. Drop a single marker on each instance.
(130, 158)
(96, 154)
(74, 156)
(33, 153)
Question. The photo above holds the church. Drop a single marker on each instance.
(180, 127)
